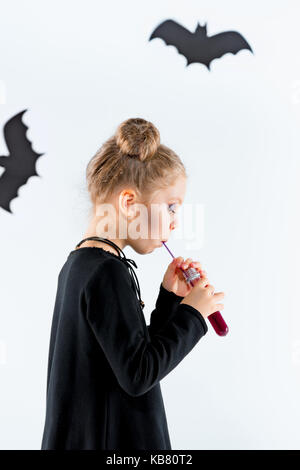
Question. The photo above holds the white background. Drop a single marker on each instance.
(80, 68)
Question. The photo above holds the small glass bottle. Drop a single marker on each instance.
(216, 319)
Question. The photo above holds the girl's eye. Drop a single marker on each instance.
(171, 210)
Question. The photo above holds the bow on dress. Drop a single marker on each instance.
(127, 261)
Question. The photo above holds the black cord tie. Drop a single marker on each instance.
(127, 261)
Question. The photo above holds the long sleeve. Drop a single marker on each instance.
(139, 357)
(165, 306)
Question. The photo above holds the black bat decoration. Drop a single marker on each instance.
(19, 164)
(197, 46)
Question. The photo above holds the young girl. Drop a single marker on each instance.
(105, 364)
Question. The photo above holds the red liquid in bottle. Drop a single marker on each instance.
(216, 319)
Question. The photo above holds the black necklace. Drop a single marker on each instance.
(127, 261)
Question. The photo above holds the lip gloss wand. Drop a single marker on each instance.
(216, 319)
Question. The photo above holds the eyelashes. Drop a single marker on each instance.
(171, 210)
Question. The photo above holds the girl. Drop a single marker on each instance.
(105, 364)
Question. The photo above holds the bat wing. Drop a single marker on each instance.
(175, 35)
(20, 164)
(228, 41)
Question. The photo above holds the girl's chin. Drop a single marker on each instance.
(154, 245)
(152, 248)
(157, 245)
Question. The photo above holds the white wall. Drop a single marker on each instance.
(80, 68)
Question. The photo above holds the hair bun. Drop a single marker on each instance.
(138, 137)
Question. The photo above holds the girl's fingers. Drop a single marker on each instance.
(198, 267)
(186, 263)
(219, 306)
(178, 260)
(219, 295)
(189, 263)
(176, 263)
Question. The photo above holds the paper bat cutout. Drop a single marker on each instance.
(19, 164)
(197, 46)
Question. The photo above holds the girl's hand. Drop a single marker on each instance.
(174, 280)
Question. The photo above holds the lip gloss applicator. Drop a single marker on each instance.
(216, 319)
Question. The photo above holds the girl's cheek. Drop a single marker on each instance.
(158, 222)
(139, 226)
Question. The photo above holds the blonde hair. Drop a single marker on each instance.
(132, 157)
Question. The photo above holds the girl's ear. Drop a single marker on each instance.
(126, 202)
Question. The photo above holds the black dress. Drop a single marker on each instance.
(105, 364)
